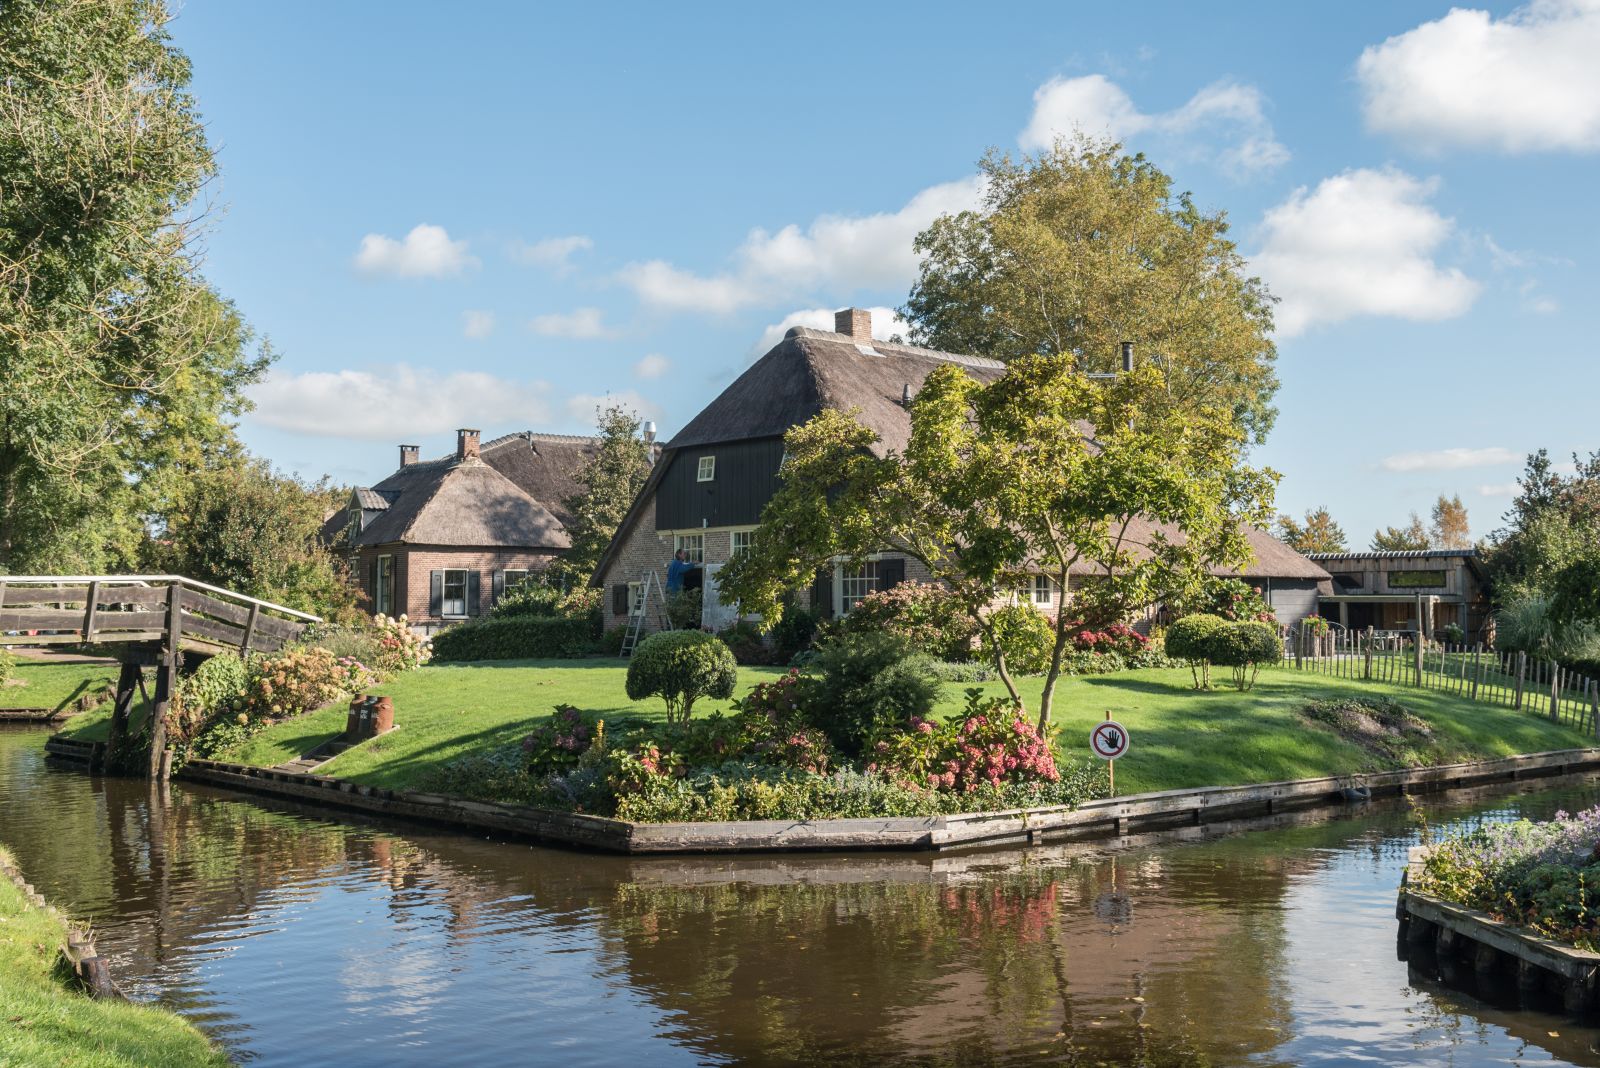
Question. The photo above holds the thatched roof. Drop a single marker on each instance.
(511, 495)
(810, 370)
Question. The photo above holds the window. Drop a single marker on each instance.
(383, 586)
(706, 470)
(742, 540)
(1043, 589)
(1417, 579)
(855, 583)
(635, 598)
(693, 544)
(455, 593)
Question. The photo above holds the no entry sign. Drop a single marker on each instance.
(1109, 740)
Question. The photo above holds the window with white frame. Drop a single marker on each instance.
(854, 583)
(1043, 589)
(383, 581)
(454, 602)
(693, 544)
(706, 470)
(742, 540)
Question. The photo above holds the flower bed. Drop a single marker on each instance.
(1544, 876)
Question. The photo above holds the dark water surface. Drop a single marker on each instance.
(301, 940)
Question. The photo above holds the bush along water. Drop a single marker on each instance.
(1544, 876)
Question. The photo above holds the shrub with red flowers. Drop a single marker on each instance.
(990, 744)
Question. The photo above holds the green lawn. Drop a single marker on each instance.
(55, 685)
(1181, 738)
(45, 1022)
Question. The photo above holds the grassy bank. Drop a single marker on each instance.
(1181, 738)
(46, 1022)
(54, 686)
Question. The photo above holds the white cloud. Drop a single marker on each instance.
(835, 253)
(1528, 82)
(426, 252)
(395, 403)
(1500, 489)
(1224, 122)
(1449, 459)
(581, 407)
(582, 324)
(652, 365)
(886, 324)
(1361, 243)
(552, 253)
(477, 324)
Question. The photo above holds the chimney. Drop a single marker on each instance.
(854, 322)
(408, 455)
(466, 444)
(1127, 356)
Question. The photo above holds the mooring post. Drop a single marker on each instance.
(166, 679)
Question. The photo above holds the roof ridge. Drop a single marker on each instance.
(899, 348)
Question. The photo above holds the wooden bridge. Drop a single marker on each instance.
(150, 621)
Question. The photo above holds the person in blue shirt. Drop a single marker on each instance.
(681, 565)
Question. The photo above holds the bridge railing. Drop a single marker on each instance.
(60, 609)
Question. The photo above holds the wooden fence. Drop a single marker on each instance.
(1513, 680)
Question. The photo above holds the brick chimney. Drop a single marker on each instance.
(408, 455)
(854, 322)
(466, 444)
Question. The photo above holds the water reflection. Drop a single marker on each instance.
(301, 940)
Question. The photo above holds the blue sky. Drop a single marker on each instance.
(494, 215)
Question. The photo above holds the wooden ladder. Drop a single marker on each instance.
(636, 619)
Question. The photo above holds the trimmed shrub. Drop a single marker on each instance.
(680, 667)
(525, 637)
(1025, 636)
(1188, 638)
(1244, 647)
(870, 684)
(926, 615)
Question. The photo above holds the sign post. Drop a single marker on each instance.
(1108, 741)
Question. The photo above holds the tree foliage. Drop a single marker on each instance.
(1410, 537)
(1002, 478)
(120, 364)
(1449, 528)
(1080, 248)
(1318, 534)
(247, 528)
(611, 481)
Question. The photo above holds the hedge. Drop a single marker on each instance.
(514, 638)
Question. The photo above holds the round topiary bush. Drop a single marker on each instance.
(1244, 646)
(1187, 640)
(680, 667)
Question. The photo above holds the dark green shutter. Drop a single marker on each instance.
(472, 593)
(436, 593)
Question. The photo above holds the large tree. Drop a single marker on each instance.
(1410, 537)
(120, 365)
(1450, 528)
(1318, 534)
(1003, 480)
(1080, 248)
(611, 481)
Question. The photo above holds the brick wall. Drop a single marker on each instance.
(413, 565)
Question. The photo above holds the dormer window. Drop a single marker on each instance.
(706, 470)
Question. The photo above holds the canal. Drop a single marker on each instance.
(296, 939)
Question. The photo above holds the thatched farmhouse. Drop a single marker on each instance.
(441, 540)
(707, 490)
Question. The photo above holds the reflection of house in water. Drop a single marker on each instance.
(1380, 590)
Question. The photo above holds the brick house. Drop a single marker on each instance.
(441, 540)
(707, 490)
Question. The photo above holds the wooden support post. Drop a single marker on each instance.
(249, 630)
(1367, 669)
(127, 686)
(89, 609)
(1477, 668)
(166, 678)
(1522, 674)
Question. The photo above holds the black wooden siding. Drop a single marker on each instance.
(746, 479)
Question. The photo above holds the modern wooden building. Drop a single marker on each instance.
(1382, 590)
(440, 540)
(712, 480)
